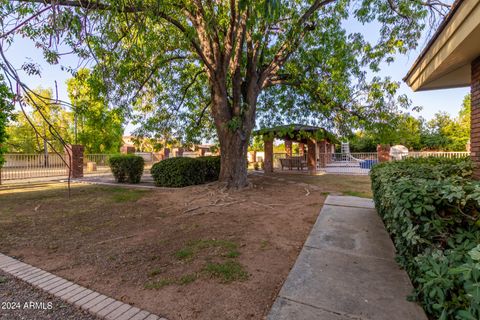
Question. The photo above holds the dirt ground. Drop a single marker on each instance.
(193, 253)
(349, 185)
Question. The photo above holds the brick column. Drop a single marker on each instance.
(475, 118)
(166, 153)
(179, 152)
(288, 147)
(252, 156)
(311, 156)
(127, 149)
(322, 150)
(74, 157)
(268, 149)
(383, 152)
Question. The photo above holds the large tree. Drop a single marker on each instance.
(30, 132)
(99, 129)
(6, 114)
(208, 62)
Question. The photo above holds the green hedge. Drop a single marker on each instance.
(127, 168)
(212, 167)
(178, 172)
(182, 172)
(430, 207)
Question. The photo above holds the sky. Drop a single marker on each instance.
(448, 100)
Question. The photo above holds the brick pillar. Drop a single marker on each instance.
(127, 149)
(74, 157)
(383, 152)
(252, 156)
(322, 150)
(288, 147)
(179, 152)
(475, 118)
(311, 156)
(268, 149)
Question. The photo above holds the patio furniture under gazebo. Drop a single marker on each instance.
(317, 140)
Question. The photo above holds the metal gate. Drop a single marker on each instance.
(347, 163)
(25, 166)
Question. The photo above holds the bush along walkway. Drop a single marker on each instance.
(346, 270)
(95, 303)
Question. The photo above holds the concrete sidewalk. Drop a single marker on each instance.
(346, 270)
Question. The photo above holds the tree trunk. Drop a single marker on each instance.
(233, 139)
(233, 148)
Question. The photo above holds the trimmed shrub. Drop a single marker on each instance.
(431, 208)
(127, 168)
(178, 172)
(212, 167)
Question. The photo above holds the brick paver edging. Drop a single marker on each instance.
(81, 297)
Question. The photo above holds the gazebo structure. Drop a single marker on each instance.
(318, 141)
(452, 59)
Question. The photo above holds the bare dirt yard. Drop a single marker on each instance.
(193, 253)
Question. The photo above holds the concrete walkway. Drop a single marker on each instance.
(346, 270)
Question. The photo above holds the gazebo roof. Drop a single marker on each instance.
(297, 132)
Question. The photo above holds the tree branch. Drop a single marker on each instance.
(287, 48)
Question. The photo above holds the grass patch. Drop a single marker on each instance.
(194, 246)
(155, 272)
(120, 195)
(357, 194)
(159, 284)
(264, 244)
(210, 243)
(227, 272)
(187, 279)
(182, 281)
(184, 254)
(232, 254)
(3, 280)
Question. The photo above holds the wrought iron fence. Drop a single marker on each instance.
(24, 166)
(98, 163)
(441, 154)
(347, 163)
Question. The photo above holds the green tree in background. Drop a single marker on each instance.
(99, 129)
(6, 114)
(402, 129)
(441, 133)
(24, 138)
(224, 64)
(446, 133)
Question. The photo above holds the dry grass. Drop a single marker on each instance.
(349, 185)
(192, 253)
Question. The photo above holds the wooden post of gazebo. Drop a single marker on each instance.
(288, 147)
(301, 148)
(268, 154)
(311, 156)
